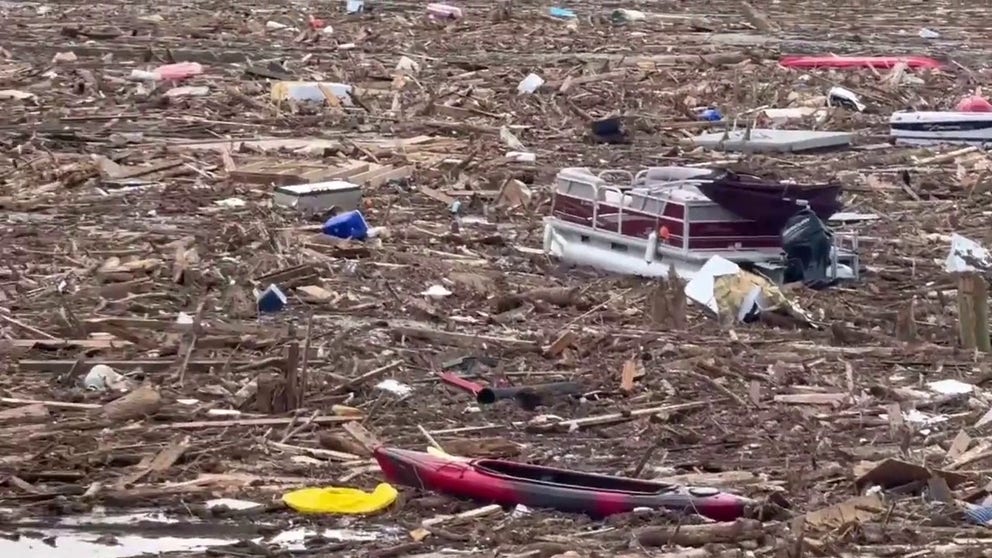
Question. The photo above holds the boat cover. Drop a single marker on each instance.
(771, 202)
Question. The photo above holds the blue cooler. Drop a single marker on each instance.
(347, 225)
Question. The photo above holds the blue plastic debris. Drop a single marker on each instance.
(982, 515)
(561, 13)
(270, 300)
(350, 225)
(355, 6)
(709, 114)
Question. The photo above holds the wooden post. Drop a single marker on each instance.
(292, 371)
(973, 312)
(667, 303)
(906, 322)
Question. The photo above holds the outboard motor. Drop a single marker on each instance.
(808, 242)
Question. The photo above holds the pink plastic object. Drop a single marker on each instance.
(444, 11)
(178, 72)
(846, 62)
(974, 103)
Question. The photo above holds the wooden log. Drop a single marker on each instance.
(140, 403)
(291, 371)
(699, 535)
(973, 312)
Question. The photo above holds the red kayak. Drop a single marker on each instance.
(508, 483)
(881, 62)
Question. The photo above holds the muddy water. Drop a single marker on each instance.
(135, 534)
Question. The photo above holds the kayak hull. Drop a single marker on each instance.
(508, 484)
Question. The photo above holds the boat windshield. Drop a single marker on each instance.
(574, 479)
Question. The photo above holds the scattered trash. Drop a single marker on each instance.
(609, 130)
(709, 114)
(14, 94)
(61, 57)
(341, 500)
(231, 203)
(974, 103)
(232, 504)
(514, 193)
(841, 97)
(732, 294)
(104, 378)
(408, 65)
(979, 515)
(186, 91)
(348, 225)
(354, 6)
(511, 140)
(521, 156)
(436, 292)
(178, 72)
(965, 254)
(561, 13)
(312, 91)
(759, 140)
(951, 387)
(547, 487)
(622, 16)
(395, 387)
(320, 197)
(530, 84)
(270, 300)
(779, 116)
(443, 11)
(926, 33)
(894, 473)
(528, 397)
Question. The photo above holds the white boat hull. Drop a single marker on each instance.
(940, 127)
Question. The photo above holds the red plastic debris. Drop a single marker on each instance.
(178, 72)
(316, 23)
(881, 62)
(974, 103)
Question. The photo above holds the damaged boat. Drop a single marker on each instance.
(937, 127)
(666, 218)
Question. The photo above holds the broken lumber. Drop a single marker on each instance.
(462, 339)
(699, 535)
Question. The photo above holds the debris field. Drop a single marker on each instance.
(140, 233)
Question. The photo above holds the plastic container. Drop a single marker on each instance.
(530, 84)
(180, 71)
(350, 225)
(709, 114)
(561, 13)
(974, 103)
(444, 11)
